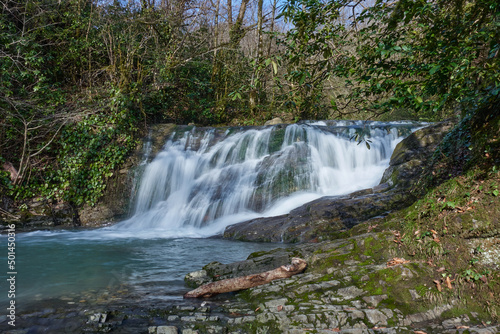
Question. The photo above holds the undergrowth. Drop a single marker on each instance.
(455, 226)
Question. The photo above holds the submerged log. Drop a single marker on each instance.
(245, 282)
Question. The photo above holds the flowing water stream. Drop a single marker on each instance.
(202, 181)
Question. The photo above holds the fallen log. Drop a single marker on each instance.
(245, 282)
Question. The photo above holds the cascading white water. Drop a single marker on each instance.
(204, 180)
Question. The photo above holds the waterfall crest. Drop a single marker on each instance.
(205, 179)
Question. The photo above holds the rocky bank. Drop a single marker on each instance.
(354, 285)
(115, 205)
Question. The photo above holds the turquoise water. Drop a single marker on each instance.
(70, 263)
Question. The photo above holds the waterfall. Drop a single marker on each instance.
(206, 179)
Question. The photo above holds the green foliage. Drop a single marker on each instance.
(429, 56)
(187, 95)
(309, 56)
(5, 183)
(81, 174)
(79, 80)
(473, 275)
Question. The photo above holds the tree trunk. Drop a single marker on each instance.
(230, 13)
(245, 282)
(271, 29)
(260, 23)
(216, 28)
(237, 31)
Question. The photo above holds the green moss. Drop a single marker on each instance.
(276, 139)
(335, 260)
(378, 245)
(477, 313)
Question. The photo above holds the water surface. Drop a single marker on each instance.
(72, 263)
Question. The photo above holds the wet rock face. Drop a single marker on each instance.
(115, 204)
(320, 219)
(411, 155)
(116, 201)
(43, 214)
(280, 181)
(39, 213)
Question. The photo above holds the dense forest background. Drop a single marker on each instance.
(81, 80)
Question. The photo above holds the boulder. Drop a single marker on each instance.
(274, 121)
(410, 157)
(320, 219)
(257, 262)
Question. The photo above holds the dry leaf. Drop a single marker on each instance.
(397, 236)
(395, 261)
(438, 285)
(441, 269)
(280, 308)
(448, 283)
(419, 332)
(258, 308)
(463, 327)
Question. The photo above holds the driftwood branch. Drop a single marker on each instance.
(245, 282)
